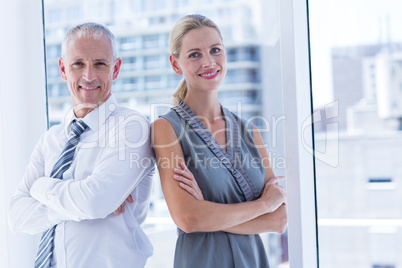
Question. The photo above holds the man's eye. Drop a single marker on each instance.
(100, 64)
(78, 63)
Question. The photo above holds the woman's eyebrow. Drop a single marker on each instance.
(198, 49)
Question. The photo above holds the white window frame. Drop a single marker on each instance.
(300, 175)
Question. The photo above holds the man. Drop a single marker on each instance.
(81, 171)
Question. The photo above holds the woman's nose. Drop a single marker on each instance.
(209, 62)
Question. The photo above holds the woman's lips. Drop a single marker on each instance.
(210, 74)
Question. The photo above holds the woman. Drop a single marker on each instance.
(226, 193)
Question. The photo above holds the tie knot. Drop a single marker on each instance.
(78, 127)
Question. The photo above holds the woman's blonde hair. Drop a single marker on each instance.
(180, 29)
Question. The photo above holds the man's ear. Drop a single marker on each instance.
(62, 69)
(175, 64)
(116, 68)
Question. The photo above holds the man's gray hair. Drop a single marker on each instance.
(89, 30)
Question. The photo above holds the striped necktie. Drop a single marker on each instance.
(45, 252)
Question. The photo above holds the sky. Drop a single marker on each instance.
(335, 23)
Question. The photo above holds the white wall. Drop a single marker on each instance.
(22, 113)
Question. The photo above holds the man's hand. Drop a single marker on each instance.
(121, 208)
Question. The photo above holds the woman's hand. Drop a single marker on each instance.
(273, 194)
(187, 181)
(121, 209)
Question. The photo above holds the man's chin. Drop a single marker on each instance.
(87, 105)
(83, 109)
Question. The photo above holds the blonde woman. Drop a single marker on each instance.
(215, 173)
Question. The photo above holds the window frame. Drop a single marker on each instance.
(300, 170)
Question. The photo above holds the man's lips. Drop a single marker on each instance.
(89, 88)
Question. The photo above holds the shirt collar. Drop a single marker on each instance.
(96, 118)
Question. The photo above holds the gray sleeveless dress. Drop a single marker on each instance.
(217, 175)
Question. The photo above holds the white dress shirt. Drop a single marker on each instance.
(112, 160)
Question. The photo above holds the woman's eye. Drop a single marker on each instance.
(194, 55)
(215, 50)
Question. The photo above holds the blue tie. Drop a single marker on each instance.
(45, 252)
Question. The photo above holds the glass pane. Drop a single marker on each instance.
(251, 89)
(356, 49)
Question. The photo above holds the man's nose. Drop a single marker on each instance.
(89, 74)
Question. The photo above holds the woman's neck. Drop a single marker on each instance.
(205, 105)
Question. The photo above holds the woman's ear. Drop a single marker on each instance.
(175, 64)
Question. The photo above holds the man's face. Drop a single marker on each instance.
(89, 70)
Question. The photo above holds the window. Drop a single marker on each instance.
(152, 82)
(231, 54)
(357, 150)
(128, 84)
(241, 76)
(128, 43)
(157, 20)
(159, 4)
(74, 13)
(152, 62)
(54, 15)
(129, 64)
(53, 51)
(174, 80)
(381, 184)
(255, 98)
(53, 71)
(151, 41)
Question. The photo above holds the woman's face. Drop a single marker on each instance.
(202, 59)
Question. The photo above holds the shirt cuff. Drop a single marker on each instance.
(40, 190)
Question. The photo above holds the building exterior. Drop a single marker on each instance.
(359, 198)
(351, 77)
(366, 77)
(359, 201)
(389, 90)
